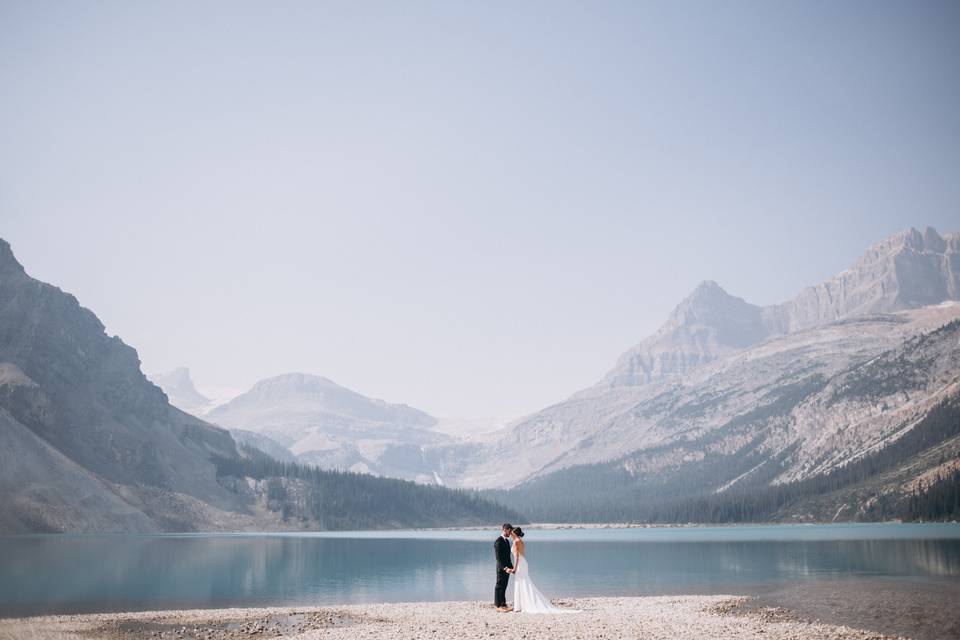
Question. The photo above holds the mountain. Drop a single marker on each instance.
(685, 417)
(727, 391)
(87, 443)
(181, 392)
(178, 385)
(91, 444)
(906, 271)
(708, 324)
(322, 423)
(911, 269)
(790, 432)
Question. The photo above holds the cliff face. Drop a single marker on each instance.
(69, 392)
(909, 270)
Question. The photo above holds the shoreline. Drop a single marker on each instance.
(654, 617)
(557, 526)
(539, 526)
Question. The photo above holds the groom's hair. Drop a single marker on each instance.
(507, 526)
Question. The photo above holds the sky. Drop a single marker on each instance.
(470, 208)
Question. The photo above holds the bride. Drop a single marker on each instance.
(526, 597)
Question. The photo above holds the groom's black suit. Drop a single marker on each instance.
(502, 549)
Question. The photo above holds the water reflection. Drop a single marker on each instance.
(101, 573)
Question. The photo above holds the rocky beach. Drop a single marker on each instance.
(654, 618)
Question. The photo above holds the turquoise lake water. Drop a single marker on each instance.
(74, 573)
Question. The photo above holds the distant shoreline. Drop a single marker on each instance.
(554, 526)
(539, 526)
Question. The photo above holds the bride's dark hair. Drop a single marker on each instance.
(518, 531)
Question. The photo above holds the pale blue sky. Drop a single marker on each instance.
(470, 209)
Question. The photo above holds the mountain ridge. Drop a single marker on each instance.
(725, 397)
(906, 270)
(859, 443)
(711, 335)
(321, 422)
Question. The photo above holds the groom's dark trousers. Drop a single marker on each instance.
(502, 550)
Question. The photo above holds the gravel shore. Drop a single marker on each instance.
(652, 618)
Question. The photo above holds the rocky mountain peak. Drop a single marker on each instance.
(908, 270)
(707, 287)
(181, 377)
(706, 292)
(314, 394)
(707, 303)
(179, 387)
(927, 240)
(934, 240)
(8, 263)
(321, 422)
(906, 241)
(707, 323)
(294, 384)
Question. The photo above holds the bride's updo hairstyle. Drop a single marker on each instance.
(518, 531)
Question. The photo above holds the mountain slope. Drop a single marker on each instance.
(721, 365)
(83, 394)
(879, 431)
(322, 423)
(716, 408)
(87, 443)
(46, 491)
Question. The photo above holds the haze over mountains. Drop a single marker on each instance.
(732, 397)
(179, 387)
(322, 423)
(311, 419)
(726, 397)
(718, 358)
(906, 271)
(87, 443)
(759, 396)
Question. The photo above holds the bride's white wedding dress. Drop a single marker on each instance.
(526, 597)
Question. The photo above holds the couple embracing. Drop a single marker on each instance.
(511, 560)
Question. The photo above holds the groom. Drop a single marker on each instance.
(504, 568)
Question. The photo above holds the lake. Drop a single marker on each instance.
(93, 573)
